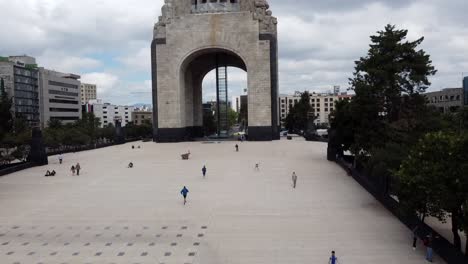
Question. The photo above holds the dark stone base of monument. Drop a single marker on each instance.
(171, 135)
(331, 154)
(196, 132)
(260, 133)
(38, 154)
(119, 133)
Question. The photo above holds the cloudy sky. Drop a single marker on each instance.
(107, 41)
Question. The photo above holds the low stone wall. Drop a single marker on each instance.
(442, 246)
(16, 167)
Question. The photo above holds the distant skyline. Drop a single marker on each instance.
(107, 42)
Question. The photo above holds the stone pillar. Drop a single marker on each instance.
(38, 153)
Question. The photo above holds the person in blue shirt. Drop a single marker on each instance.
(204, 171)
(333, 259)
(184, 193)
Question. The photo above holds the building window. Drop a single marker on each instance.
(313, 100)
(326, 99)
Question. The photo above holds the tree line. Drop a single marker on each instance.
(417, 153)
(15, 132)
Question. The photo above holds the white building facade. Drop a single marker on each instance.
(109, 113)
(322, 104)
(60, 97)
(88, 92)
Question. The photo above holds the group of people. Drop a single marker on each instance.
(74, 168)
(428, 242)
(50, 173)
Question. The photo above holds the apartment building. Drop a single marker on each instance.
(60, 97)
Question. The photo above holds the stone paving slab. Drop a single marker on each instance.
(111, 214)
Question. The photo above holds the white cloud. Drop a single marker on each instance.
(109, 40)
(63, 62)
(138, 60)
(105, 82)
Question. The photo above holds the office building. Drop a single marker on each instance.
(465, 91)
(236, 103)
(20, 76)
(88, 92)
(108, 113)
(139, 117)
(448, 100)
(322, 105)
(59, 97)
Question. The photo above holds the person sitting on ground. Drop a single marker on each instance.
(130, 165)
(53, 173)
(48, 173)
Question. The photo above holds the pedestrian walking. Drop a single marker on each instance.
(204, 171)
(237, 148)
(60, 158)
(415, 237)
(78, 168)
(333, 258)
(428, 241)
(184, 193)
(294, 179)
(73, 170)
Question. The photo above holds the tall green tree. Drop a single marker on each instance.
(392, 68)
(433, 180)
(6, 118)
(299, 114)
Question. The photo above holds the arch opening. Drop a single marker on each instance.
(194, 70)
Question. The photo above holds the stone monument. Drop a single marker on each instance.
(189, 38)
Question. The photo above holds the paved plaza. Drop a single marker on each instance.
(112, 214)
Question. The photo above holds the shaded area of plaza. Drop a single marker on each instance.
(112, 214)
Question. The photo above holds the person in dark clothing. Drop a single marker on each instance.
(130, 165)
(48, 173)
(294, 179)
(415, 237)
(73, 170)
(53, 173)
(333, 259)
(204, 171)
(428, 242)
(78, 168)
(184, 193)
(237, 148)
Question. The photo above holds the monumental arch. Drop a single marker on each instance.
(190, 39)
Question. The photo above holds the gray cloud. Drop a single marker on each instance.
(318, 40)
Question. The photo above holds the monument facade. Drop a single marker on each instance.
(191, 37)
